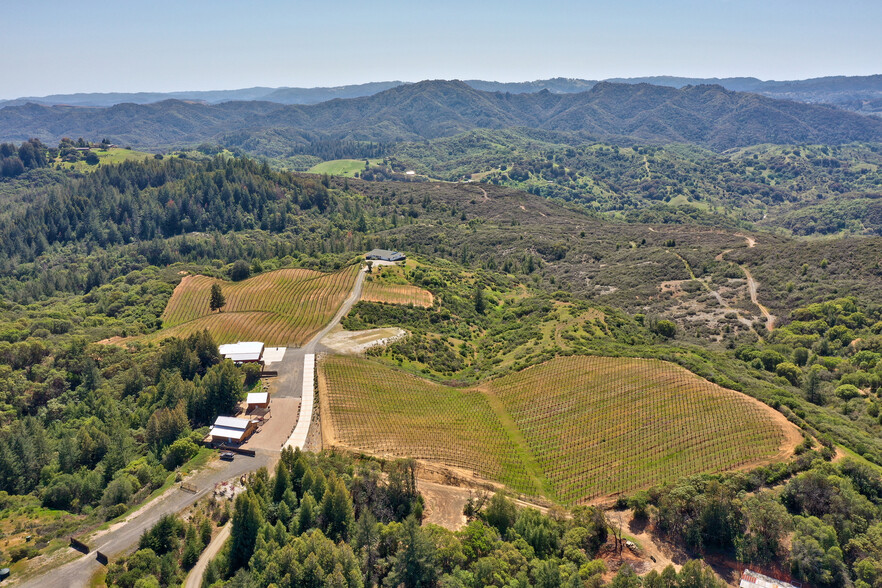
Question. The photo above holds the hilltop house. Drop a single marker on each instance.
(385, 255)
(232, 430)
(242, 352)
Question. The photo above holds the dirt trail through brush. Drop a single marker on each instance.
(751, 283)
(722, 301)
(751, 287)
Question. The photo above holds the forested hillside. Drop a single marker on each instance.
(90, 430)
(857, 93)
(709, 116)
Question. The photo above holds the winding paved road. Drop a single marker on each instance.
(122, 538)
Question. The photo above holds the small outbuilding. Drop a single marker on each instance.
(257, 400)
(232, 430)
(385, 255)
(242, 352)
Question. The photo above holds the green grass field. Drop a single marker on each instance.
(110, 156)
(341, 167)
(574, 429)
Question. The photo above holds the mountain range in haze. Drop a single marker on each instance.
(856, 93)
(706, 115)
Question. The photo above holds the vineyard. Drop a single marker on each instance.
(575, 428)
(602, 425)
(390, 413)
(375, 291)
(284, 307)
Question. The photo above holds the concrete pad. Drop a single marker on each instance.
(274, 432)
(273, 355)
(304, 420)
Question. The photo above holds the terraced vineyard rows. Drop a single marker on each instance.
(387, 412)
(284, 307)
(601, 425)
(396, 294)
(591, 426)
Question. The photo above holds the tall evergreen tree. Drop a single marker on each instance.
(336, 510)
(246, 523)
(217, 300)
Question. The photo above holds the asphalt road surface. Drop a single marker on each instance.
(124, 537)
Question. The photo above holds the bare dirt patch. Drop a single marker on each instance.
(115, 340)
(444, 504)
(357, 342)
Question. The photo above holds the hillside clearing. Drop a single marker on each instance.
(105, 157)
(396, 294)
(574, 429)
(283, 307)
(341, 167)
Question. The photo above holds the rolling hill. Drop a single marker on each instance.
(574, 428)
(706, 115)
(858, 93)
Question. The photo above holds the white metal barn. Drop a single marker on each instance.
(242, 352)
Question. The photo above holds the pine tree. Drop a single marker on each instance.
(414, 564)
(246, 523)
(336, 510)
(306, 514)
(217, 300)
(281, 483)
(480, 303)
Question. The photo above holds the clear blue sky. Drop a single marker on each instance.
(55, 46)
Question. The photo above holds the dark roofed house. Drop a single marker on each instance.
(385, 255)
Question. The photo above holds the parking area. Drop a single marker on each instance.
(273, 355)
(275, 431)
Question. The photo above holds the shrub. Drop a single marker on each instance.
(240, 271)
(847, 392)
(119, 491)
(179, 453)
(252, 373)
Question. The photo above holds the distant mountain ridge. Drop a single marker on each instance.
(857, 93)
(260, 93)
(706, 115)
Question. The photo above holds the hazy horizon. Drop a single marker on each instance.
(331, 86)
(169, 46)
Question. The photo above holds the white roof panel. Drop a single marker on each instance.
(231, 423)
(242, 351)
(257, 397)
(236, 434)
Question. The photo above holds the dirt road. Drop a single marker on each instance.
(751, 287)
(194, 578)
(751, 283)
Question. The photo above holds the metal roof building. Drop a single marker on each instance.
(243, 351)
(385, 255)
(259, 399)
(231, 429)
